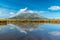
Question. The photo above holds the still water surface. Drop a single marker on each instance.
(30, 31)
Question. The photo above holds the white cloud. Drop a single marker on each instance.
(12, 13)
(54, 8)
(55, 33)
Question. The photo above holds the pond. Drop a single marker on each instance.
(30, 31)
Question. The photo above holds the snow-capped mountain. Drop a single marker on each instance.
(27, 14)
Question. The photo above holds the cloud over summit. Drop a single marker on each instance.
(25, 10)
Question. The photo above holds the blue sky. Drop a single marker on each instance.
(46, 8)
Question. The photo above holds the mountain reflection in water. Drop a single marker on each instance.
(27, 26)
(30, 31)
(16, 32)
